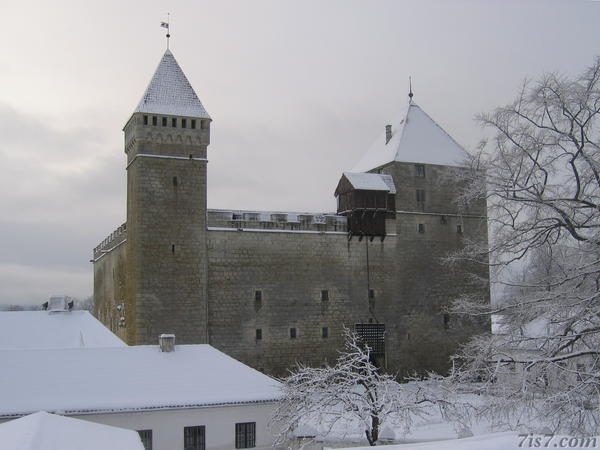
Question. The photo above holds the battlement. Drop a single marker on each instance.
(111, 241)
(276, 220)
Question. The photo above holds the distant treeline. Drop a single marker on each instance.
(85, 304)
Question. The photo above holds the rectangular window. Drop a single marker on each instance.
(183, 123)
(443, 220)
(446, 321)
(154, 121)
(371, 293)
(174, 123)
(193, 124)
(204, 124)
(292, 333)
(145, 120)
(258, 334)
(146, 438)
(324, 295)
(194, 438)
(258, 296)
(324, 332)
(459, 229)
(421, 228)
(245, 435)
(164, 121)
(420, 170)
(420, 193)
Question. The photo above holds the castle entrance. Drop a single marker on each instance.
(373, 335)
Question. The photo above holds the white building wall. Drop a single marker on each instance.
(167, 426)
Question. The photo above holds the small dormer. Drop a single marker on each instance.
(367, 199)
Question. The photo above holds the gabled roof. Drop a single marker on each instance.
(371, 182)
(43, 431)
(416, 138)
(54, 329)
(120, 379)
(170, 92)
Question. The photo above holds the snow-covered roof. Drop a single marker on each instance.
(416, 138)
(44, 431)
(54, 329)
(170, 92)
(371, 181)
(118, 379)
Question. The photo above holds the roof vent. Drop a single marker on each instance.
(166, 342)
(388, 133)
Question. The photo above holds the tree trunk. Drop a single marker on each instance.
(373, 433)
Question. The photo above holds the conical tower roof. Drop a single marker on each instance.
(170, 92)
(417, 138)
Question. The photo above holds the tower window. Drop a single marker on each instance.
(145, 120)
(164, 121)
(183, 123)
(459, 229)
(204, 124)
(371, 293)
(446, 321)
(421, 228)
(292, 333)
(420, 170)
(258, 334)
(325, 332)
(324, 295)
(174, 122)
(258, 296)
(172, 248)
(443, 220)
(175, 181)
(193, 124)
(154, 121)
(420, 194)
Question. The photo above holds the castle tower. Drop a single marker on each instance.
(165, 141)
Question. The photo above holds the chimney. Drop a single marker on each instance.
(166, 342)
(388, 133)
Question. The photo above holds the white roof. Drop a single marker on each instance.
(119, 379)
(43, 431)
(371, 181)
(54, 329)
(415, 138)
(170, 92)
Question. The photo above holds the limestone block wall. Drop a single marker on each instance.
(290, 270)
(110, 263)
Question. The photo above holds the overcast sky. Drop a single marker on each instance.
(297, 90)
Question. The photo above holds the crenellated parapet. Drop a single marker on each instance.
(113, 240)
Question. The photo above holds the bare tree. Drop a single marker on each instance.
(353, 391)
(540, 174)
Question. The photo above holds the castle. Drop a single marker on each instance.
(275, 288)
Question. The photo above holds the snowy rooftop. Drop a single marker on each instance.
(416, 138)
(54, 329)
(43, 431)
(371, 181)
(170, 92)
(126, 379)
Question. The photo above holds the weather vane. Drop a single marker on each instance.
(166, 25)
(410, 92)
